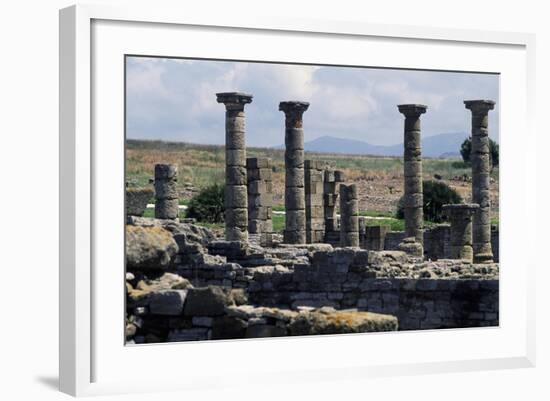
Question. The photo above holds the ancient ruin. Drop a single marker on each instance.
(166, 194)
(314, 190)
(260, 200)
(295, 202)
(481, 169)
(236, 199)
(349, 216)
(460, 216)
(412, 158)
(331, 271)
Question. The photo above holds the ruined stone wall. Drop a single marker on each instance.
(436, 242)
(315, 213)
(338, 279)
(260, 201)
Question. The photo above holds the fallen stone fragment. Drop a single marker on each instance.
(340, 322)
(149, 248)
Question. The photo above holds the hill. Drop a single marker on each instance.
(446, 145)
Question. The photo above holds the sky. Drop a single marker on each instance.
(174, 100)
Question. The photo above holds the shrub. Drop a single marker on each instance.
(466, 150)
(207, 206)
(436, 194)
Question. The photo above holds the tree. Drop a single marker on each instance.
(208, 205)
(436, 194)
(466, 150)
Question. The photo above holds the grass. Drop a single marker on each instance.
(202, 165)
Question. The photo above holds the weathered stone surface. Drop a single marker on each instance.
(208, 301)
(411, 247)
(149, 248)
(265, 330)
(294, 165)
(167, 302)
(137, 200)
(235, 156)
(228, 327)
(481, 168)
(339, 322)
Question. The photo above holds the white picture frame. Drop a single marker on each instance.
(92, 38)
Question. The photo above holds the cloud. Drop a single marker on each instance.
(174, 99)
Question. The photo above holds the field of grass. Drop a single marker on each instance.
(379, 178)
(202, 165)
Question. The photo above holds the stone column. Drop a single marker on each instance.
(260, 200)
(236, 200)
(315, 214)
(166, 191)
(349, 215)
(295, 204)
(413, 199)
(481, 169)
(460, 217)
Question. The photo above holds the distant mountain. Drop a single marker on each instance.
(443, 145)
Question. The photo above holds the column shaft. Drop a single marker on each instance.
(295, 204)
(349, 216)
(481, 169)
(413, 197)
(166, 191)
(460, 217)
(236, 197)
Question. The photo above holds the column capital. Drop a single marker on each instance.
(293, 107)
(481, 106)
(234, 100)
(412, 110)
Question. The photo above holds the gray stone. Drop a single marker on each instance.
(207, 301)
(137, 200)
(167, 302)
(480, 161)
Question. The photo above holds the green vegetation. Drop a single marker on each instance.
(435, 195)
(278, 222)
(207, 206)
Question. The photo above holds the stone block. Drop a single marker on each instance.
(166, 171)
(207, 301)
(167, 209)
(167, 302)
(235, 157)
(236, 196)
(258, 163)
(235, 175)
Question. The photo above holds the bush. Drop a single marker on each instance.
(207, 206)
(436, 194)
(466, 150)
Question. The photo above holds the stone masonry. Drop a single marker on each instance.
(166, 192)
(236, 202)
(260, 200)
(349, 216)
(481, 169)
(413, 199)
(460, 216)
(375, 237)
(332, 180)
(315, 214)
(295, 203)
